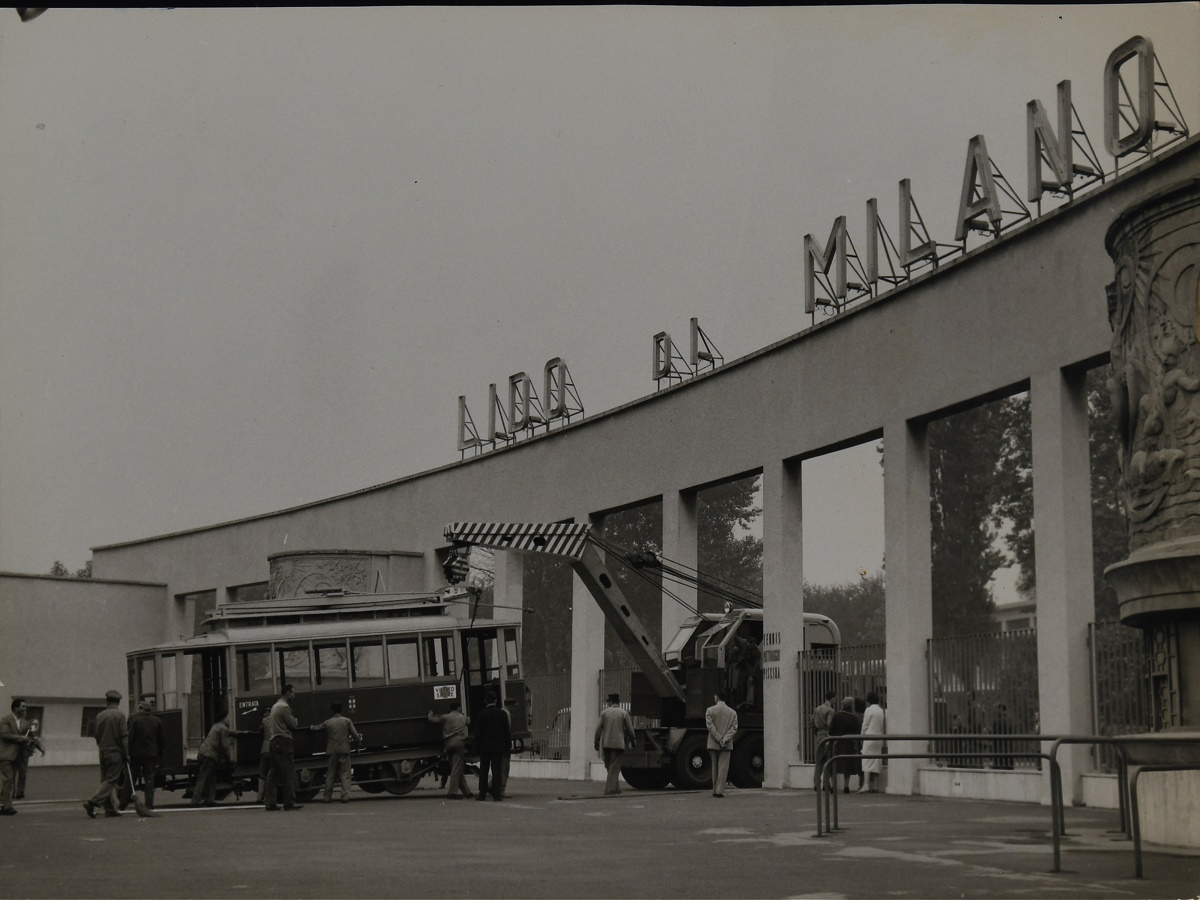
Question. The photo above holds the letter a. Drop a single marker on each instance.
(979, 167)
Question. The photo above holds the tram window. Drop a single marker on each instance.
(333, 668)
(293, 667)
(481, 661)
(439, 656)
(170, 695)
(146, 679)
(512, 663)
(366, 663)
(402, 659)
(254, 672)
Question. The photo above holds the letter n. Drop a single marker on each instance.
(1041, 139)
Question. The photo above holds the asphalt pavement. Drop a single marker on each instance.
(561, 839)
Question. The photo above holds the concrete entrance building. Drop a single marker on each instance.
(1023, 312)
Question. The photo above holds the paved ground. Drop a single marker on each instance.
(557, 839)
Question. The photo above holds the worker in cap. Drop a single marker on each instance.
(112, 738)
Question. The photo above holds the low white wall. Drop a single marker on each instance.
(1100, 791)
(1169, 808)
(1017, 785)
(551, 768)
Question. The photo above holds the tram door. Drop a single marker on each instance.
(210, 691)
(481, 666)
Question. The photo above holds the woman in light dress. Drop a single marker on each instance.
(873, 723)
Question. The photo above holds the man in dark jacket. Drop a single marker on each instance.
(844, 721)
(493, 738)
(147, 747)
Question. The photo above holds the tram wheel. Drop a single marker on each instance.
(403, 780)
(304, 795)
(647, 779)
(747, 764)
(693, 766)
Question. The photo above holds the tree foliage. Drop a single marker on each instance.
(857, 607)
(1110, 526)
(58, 570)
(964, 455)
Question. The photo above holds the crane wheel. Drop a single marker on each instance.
(693, 766)
(747, 764)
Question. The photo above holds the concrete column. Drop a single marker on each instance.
(508, 587)
(680, 543)
(587, 659)
(783, 618)
(908, 605)
(1062, 546)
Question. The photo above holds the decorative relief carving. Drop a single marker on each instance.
(1153, 308)
(295, 576)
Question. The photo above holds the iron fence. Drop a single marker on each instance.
(1120, 686)
(550, 713)
(852, 671)
(985, 684)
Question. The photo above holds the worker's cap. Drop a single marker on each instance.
(112, 695)
(614, 698)
(144, 705)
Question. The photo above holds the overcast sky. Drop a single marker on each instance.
(249, 258)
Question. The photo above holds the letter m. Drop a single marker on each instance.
(833, 255)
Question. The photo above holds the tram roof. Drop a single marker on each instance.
(324, 616)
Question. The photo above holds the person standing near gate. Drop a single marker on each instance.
(821, 718)
(722, 724)
(873, 724)
(493, 738)
(844, 721)
(340, 738)
(281, 780)
(614, 732)
(112, 737)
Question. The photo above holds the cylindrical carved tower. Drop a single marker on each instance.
(1154, 310)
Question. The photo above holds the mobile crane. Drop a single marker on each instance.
(672, 690)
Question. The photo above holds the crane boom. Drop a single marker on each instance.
(574, 543)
